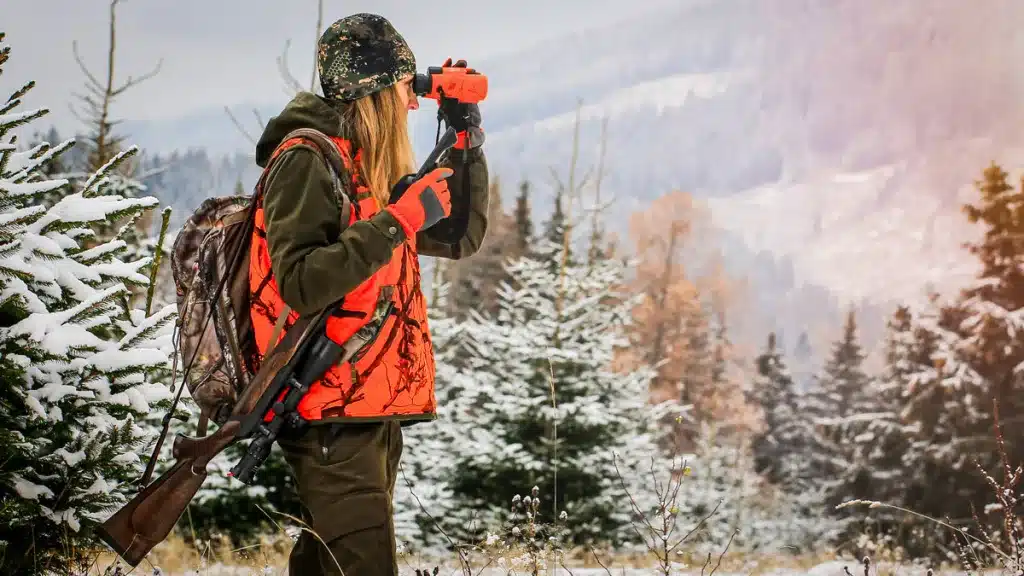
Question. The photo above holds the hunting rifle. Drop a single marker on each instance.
(265, 408)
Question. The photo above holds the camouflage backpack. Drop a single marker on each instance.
(210, 265)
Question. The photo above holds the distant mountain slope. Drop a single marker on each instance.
(764, 105)
(802, 86)
(894, 230)
(838, 138)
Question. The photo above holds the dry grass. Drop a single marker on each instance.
(176, 556)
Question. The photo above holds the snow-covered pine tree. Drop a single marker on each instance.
(803, 359)
(976, 357)
(79, 367)
(927, 459)
(777, 447)
(887, 468)
(991, 314)
(945, 416)
(522, 217)
(883, 439)
(780, 455)
(539, 403)
(555, 228)
(839, 405)
(779, 452)
(843, 380)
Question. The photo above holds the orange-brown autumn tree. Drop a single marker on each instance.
(679, 325)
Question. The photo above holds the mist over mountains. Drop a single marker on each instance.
(834, 140)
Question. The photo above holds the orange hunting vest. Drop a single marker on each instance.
(393, 376)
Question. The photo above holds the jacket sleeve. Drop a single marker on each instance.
(473, 208)
(315, 260)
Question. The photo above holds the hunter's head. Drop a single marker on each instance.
(366, 70)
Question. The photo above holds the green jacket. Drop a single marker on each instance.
(315, 262)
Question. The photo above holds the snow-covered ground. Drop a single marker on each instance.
(654, 96)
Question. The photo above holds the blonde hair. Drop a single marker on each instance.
(377, 125)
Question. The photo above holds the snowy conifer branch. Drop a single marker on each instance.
(101, 176)
(149, 328)
(81, 370)
(47, 152)
(15, 100)
(9, 122)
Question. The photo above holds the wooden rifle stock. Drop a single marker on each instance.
(298, 359)
(149, 517)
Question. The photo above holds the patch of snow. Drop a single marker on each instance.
(866, 235)
(28, 490)
(670, 92)
(831, 568)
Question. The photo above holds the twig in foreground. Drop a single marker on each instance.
(467, 569)
(601, 564)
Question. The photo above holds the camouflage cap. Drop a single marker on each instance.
(361, 54)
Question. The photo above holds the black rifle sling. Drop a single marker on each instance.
(450, 230)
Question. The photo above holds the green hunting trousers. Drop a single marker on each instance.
(345, 477)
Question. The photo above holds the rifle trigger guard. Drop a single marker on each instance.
(192, 469)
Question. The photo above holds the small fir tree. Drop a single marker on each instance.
(886, 467)
(80, 367)
(777, 447)
(803, 358)
(541, 405)
(836, 408)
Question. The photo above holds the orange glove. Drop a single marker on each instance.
(465, 118)
(424, 203)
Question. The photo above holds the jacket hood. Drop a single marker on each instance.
(306, 110)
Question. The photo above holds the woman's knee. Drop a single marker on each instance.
(369, 551)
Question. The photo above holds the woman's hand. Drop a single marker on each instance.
(465, 118)
(424, 203)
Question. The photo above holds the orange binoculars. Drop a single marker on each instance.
(459, 83)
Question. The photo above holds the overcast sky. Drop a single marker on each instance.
(223, 52)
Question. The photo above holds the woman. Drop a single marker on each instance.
(307, 255)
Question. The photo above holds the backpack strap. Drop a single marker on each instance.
(331, 155)
(278, 326)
